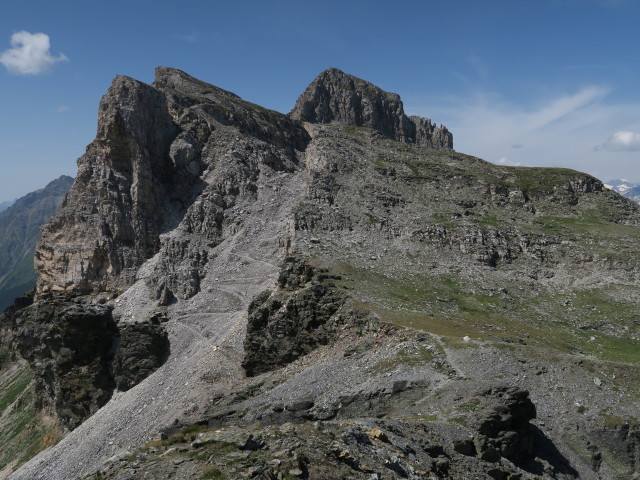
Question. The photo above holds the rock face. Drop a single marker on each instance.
(69, 347)
(155, 147)
(335, 96)
(19, 233)
(304, 312)
(142, 348)
(292, 295)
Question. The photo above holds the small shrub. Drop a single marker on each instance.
(212, 473)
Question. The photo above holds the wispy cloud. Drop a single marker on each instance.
(622, 141)
(507, 162)
(190, 37)
(62, 108)
(561, 107)
(479, 65)
(560, 131)
(29, 54)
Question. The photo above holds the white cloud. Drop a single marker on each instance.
(29, 54)
(622, 141)
(62, 108)
(562, 107)
(505, 161)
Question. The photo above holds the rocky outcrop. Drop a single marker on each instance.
(300, 315)
(19, 234)
(141, 348)
(70, 347)
(335, 96)
(501, 417)
(431, 136)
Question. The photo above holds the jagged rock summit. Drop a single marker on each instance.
(232, 292)
(335, 96)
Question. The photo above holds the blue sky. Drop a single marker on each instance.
(532, 83)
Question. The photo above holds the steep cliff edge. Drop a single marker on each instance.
(343, 294)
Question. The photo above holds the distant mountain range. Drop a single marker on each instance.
(19, 232)
(625, 187)
(5, 205)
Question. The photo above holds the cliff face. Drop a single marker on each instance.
(336, 284)
(156, 148)
(19, 234)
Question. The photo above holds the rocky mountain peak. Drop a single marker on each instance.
(337, 97)
(156, 149)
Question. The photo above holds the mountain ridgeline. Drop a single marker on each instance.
(232, 292)
(626, 188)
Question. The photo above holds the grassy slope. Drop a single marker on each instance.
(23, 433)
(589, 246)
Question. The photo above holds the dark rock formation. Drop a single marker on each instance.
(288, 323)
(335, 96)
(502, 419)
(142, 348)
(80, 354)
(20, 231)
(70, 348)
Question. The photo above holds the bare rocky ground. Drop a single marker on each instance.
(206, 336)
(353, 307)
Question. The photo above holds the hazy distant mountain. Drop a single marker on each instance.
(625, 187)
(5, 205)
(19, 232)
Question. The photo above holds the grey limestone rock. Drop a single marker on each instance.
(335, 96)
(158, 147)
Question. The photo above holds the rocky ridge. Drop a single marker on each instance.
(324, 301)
